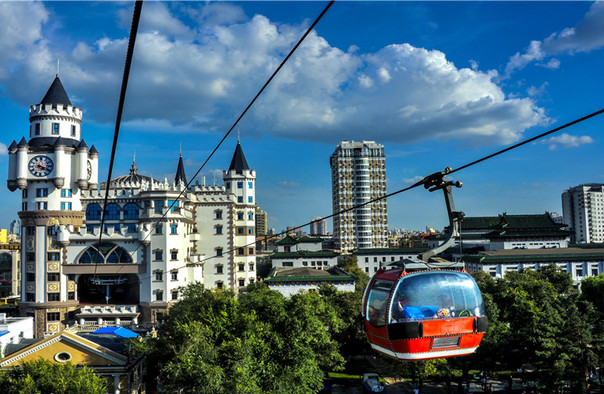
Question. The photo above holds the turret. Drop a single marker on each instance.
(180, 173)
(239, 179)
(82, 165)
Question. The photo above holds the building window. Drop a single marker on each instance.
(174, 275)
(158, 229)
(173, 206)
(239, 215)
(218, 214)
(288, 263)
(175, 294)
(131, 211)
(240, 252)
(239, 185)
(24, 206)
(53, 316)
(52, 277)
(66, 206)
(173, 229)
(65, 192)
(241, 282)
(218, 229)
(30, 256)
(37, 128)
(159, 276)
(54, 256)
(31, 230)
(112, 212)
(55, 128)
(42, 192)
(250, 230)
(159, 295)
(218, 252)
(239, 230)
(228, 185)
(251, 251)
(250, 199)
(30, 277)
(174, 255)
(251, 265)
(240, 199)
(30, 297)
(250, 185)
(250, 216)
(219, 285)
(93, 212)
(159, 206)
(131, 227)
(24, 193)
(159, 255)
(241, 267)
(219, 269)
(53, 297)
(73, 130)
(71, 295)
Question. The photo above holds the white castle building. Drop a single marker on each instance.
(156, 239)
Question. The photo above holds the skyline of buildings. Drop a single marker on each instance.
(358, 175)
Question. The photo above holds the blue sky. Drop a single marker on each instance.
(438, 83)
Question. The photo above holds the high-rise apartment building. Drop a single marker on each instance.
(318, 226)
(358, 175)
(583, 212)
(261, 222)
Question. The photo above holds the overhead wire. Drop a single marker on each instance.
(413, 186)
(289, 55)
(138, 5)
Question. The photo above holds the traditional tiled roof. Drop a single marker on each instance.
(291, 240)
(388, 251)
(536, 256)
(306, 274)
(56, 94)
(238, 163)
(304, 254)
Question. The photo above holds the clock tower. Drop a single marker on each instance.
(50, 170)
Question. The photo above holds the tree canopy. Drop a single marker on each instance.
(43, 376)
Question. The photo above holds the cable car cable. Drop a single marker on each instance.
(425, 181)
(291, 52)
(129, 54)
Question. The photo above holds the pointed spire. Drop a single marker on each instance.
(22, 143)
(93, 150)
(180, 172)
(238, 164)
(13, 146)
(56, 94)
(82, 145)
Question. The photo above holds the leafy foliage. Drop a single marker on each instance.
(259, 342)
(43, 376)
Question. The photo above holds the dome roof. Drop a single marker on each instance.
(133, 178)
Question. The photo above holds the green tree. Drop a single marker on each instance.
(592, 293)
(258, 342)
(349, 264)
(42, 376)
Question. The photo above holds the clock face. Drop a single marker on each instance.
(41, 166)
(89, 170)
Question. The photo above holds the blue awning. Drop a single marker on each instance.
(119, 331)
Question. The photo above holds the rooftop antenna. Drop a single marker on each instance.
(238, 135)
(181, 148)
(58, 66)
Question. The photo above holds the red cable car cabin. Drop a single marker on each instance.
(418, 315)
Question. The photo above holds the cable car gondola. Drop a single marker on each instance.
(418, 310)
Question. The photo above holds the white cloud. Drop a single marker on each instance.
(198, 79)
(289, 184)
(3, 150)
(567, 141)
(586, 36)
(413, 180)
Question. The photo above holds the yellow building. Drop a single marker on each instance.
(124, 374)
